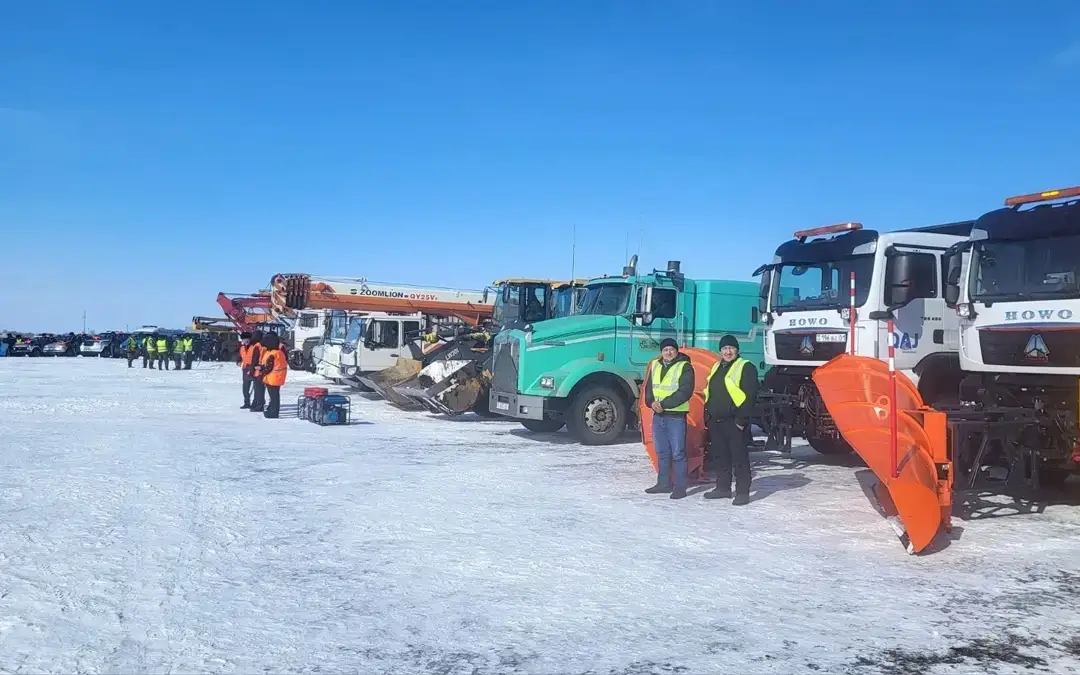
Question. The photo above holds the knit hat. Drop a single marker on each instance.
(668, 342)
(729, 341)
(245, 335)
(270, 340)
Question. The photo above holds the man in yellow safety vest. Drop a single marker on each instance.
(730, 392)
(669, 384)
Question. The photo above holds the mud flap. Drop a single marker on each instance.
(856, 391)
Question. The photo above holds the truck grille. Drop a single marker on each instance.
(790, 347)
(1030, 348)
(505, 376)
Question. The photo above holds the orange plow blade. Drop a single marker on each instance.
(857, 392)
(696, 439)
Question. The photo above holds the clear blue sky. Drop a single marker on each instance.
(152, 153)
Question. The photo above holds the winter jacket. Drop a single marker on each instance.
(720, 405)
(682, 394)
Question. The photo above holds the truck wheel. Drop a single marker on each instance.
(543, 426)
(830, 446)
(597, 415)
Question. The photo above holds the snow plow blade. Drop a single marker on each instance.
(696, 439)
(384, 382)
(918, 499)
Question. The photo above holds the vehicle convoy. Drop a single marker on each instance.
(825, 292)
(371, 325)
(63, 345)
(584, 371)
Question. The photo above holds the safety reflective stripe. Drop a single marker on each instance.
(731, 381)
(665, 386)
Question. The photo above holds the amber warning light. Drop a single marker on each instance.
(1037, 197)
(828, 229)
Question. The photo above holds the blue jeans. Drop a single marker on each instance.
(669, 438)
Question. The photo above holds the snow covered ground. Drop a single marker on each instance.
(149, 525)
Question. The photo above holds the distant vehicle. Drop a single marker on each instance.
(30, 345)
(64, 345)
(108, 345)
(142, 330)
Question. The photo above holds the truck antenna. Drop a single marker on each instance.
(573, 262)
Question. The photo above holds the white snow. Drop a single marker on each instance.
(147, 524)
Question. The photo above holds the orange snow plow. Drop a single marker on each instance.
(915, 476)
(696, 440)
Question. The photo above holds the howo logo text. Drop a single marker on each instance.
(811, 321)
(1044, 314)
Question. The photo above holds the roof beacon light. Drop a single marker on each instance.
(828, 229)
(1037, 197)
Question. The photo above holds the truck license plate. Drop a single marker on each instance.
(831, 337)
(499, 405)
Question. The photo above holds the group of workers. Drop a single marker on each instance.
(264, 366)
(730, 391)
(160, 349)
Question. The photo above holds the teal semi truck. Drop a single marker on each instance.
(584, 371)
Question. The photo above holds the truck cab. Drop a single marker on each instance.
(375, 341)
(584, 370)
(830, 291)
(1015, 287)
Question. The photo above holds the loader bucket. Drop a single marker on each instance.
(856, 391)
(384, 381)
(447, 387)
(696, 440)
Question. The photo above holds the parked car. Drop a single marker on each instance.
(63, 345)
(108, 345)
(31, 345)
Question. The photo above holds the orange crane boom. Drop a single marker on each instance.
(291, 292)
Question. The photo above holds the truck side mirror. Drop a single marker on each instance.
(485, 295)
(953, 260)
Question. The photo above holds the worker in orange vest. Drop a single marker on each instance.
(258, 400)
(273, 367)
(247, 366)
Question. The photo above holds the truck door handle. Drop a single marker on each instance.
(393, 355)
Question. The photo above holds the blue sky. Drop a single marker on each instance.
(152, 154)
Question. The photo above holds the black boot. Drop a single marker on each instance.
(741, 499)
(245, 406)
(678, 494)
(658, 489)
(718, 493)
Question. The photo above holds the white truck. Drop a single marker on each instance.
(1015, 286)
(806, 304)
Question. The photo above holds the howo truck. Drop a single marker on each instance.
(584, 371)
(1015, 285)
(806, 299)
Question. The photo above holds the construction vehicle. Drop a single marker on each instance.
(1012, 427)
(359, 338)
(823, 295)
(584, 371)
(455, 373)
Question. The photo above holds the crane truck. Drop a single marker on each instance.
(584, 371)
(372, 325)
(1015, 287)
(829, 286)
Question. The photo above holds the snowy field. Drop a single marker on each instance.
(147, 524)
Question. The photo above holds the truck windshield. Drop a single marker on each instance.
(1037, 268)
(338, 326)
(609, 299)
(356, 330)
(821, 285)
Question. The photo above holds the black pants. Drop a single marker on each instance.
(188, 358)
(274, 405)
(727, 446)
(163, 361)
(248, 381)
(178, 360)
(147, 360)
(259, 402)
(131, 359)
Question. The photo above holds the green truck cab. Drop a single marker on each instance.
(585, 370)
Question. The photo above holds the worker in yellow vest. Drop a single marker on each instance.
(189, 351)
(178, 352)
(669, 384)
(730, 392)
(149, 351)
(162, 344)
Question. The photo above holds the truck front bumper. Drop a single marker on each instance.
(516, 405)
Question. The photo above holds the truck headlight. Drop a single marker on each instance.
(547, 382)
